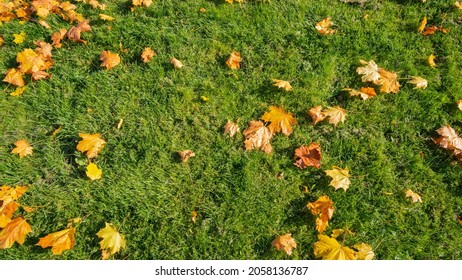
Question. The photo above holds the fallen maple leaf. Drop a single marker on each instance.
(186, 154)
(106, 17)
(59, 241)
(419, 82)
(340, 178)
(458, 5)
(109, 60)
(323, 208)
(364, 252)
(364, 92)
(112, 241)
(74, 32)
(14, 231)
(316, 114)
(328, 248)
(234, 60)
(414, 196)
(176, 63)
(422, 25)
(337, 232)
(14, 77)
(389, 81)
(7, 192)
(285, 85)
(231, 128)
(324, 27)
(19, 38)
(281, 121)
(285, 242)
(433, 29)
(8, 207)
(459, 104)
(22, 148)
(91, 144)
(18, 91)
(449, 139)
(147, 54)
(39, 75)
(335, 114)
(370, 71)
(431, 60)
(145, 3)
(4, 220)
(93, 172)
(57, 37)
(257, 136)
(30, 61)
(308, 156)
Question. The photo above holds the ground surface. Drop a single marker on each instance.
(242, 206)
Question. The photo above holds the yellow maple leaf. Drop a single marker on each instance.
(458, 5)
(257, 136)
(112, 241)
(14, 231)
(231, 128)
(364, 92)
(30, 61)
(91, 144)
(335, 114)
(328, 248)
(422, 25)
(323, 208)
(340, 178)
(431, 60)
(186, 154)
(22, 148)
(19, 38)
(93, 172)
(234, 60)
(285, 242)
(14, 77)
(18, 91)
(147, 54)
(7, 192)
(106, 17)
(389, 81)
(59, 241)
(285, 85)
(419, 82)
(370, 71)
(281, 121)
(364, 252)
(4, 220)
(109, 60)
(414, 196)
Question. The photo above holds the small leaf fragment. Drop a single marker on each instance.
(459, 104)
(364, 92)
(19, 38)
(364, 252)
(147, 54)
(231, 128)
(285, 242)
(234, 60)
(431, 60)
(193, 216)
(285, 85)
(106, 17)
(414, 196)
(93, 172)
(419, 82)
(458, 5)
(109, 60)
(22, 148)
(186, 154)
(176, 63)
(422, 25)
(324, 27)
(18, 91)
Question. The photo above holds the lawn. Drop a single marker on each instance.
(243, 199)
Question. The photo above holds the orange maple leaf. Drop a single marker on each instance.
(285, 85)
(74, 32)
(389, 81)
(22, 148)
(257, 136)
(285, 242)
(364, 92)
(57, 37)
(280, 120)
(308, 156)
(109, 60)
(59, 241)
(316, 114)
(324, 27)
(234, 60)
(14, 77)
(147, 54)
(30, 62)
(323, 208)
(91, 144)
(14, 231)
(7, 192)
(186, 154)
(8, 207)
(176, 63)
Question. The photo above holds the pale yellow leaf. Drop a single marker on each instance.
(112, 241)
(414, 196)
(285, 85)
(93, 172)
(285, 242)
(340, 178)
(419, 82)
(328, 248)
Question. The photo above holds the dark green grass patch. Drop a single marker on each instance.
(242, 206)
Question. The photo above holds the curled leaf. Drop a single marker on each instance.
(234, 60)
(316, 114)
(324, 27)
(308, 156)
(431, 60)
(422, 25)
(93, 172)
(285, 85)
(419, 82)
(176, 63)
(231, 128)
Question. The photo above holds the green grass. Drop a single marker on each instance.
(149, 194)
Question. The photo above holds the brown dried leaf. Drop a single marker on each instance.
(147, 54)
(285, 242)
(308, 156)
(258, 136)
(316, 114)
(186, 154)
(234, 60)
